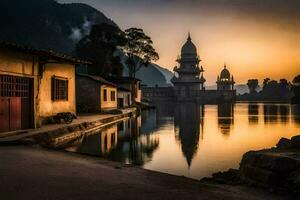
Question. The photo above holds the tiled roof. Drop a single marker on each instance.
(42, 53)
(97, 78)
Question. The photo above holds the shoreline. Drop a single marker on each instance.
(33, 172)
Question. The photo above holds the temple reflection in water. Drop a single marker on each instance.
(225, 117)
(180, 138)
(188, 121)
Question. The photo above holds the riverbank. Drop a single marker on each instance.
(55, 135)
(32, 172)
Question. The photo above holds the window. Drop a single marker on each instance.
(13, 86)
(59, 90)
(128, 99)
(113, 95)
(105, 95)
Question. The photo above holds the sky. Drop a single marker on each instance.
(255, 38)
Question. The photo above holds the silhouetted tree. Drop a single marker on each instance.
(252, 85)
(265, 82)
(99, 47)
(138, 49)
(296, 89)
(276, 90)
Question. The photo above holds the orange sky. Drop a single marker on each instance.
(256, 40)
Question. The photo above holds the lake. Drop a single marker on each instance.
(193, 140)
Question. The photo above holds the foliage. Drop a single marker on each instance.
(252, 85)
(296, 89)
(138, 49)
(272, 91)
(99, 47)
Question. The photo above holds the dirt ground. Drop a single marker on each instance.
(31, 172)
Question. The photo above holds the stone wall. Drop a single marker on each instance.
(153, 94)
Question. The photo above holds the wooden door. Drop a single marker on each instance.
(4, 114)
(15, 103)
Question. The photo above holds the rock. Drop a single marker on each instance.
(272, 168)
(283, 143)
(295, 142)
(228, 177)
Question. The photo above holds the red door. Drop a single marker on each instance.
(4, 114)
(15, 104)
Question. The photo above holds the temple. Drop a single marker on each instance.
(188, 81)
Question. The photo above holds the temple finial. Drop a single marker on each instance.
(189, 37)
(224, 65)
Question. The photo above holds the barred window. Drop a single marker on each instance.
(113, 95)
(60, 88)
(13, 86)
(104, 95)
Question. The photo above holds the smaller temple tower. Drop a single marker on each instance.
(225, 81)
(188, 77)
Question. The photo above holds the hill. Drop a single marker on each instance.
(47, 24)
(152, 75)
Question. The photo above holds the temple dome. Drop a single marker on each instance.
(225, 74)
(189, 47)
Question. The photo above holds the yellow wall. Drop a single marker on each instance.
(48, 107)
(26, 65)
(106, 136)
(22, 65)
(108, 105)
(124, 95)
(17, 64)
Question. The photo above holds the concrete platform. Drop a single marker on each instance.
(85, 119)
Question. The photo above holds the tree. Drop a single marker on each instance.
(252, 85)
(99, 48)
(138, 49)
(266, 82)
(296, 89)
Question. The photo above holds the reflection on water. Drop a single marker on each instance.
(193, 140)
(187, 128)
(253, 113)
(225, 118)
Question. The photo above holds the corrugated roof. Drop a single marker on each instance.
(44, 53)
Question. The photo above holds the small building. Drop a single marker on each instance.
(34, 85)
(129, 83)
(225, 81)
(95, 94)
(124, 97)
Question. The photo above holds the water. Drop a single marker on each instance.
(193, 140)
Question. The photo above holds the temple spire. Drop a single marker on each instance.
(189, 37)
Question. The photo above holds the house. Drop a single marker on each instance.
(34, 85)
(95, 94)
(129, 83)
(124, 97)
